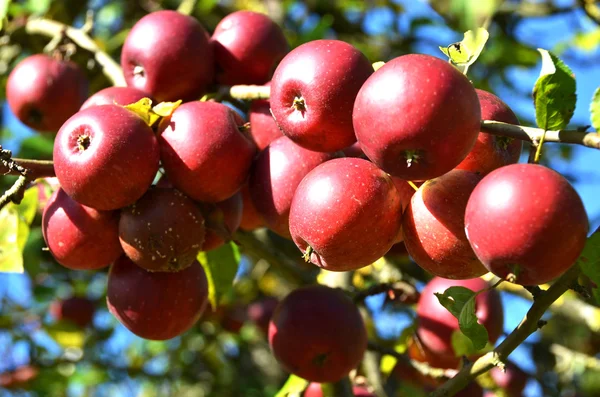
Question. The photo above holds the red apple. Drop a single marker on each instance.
(80, 237)
(417, 117)
(156, 305)
(162, 231)
(105, 157)
(203, 152)
(354, 150)
(115, 96)
(263, 127)
(346, 214)
(168, 55)
(251, 219)
(313, 91)
(44, 92)
(492, 151)
(436, 324)
(234, 317)
(261, 311)
(222, 220)
(19, 378)
(528, 221)
(247, 47)
(277, 172)
(317, 333)
(314, 390)
(77, 310)
(513, 380)
(434, 229)
(406, 191)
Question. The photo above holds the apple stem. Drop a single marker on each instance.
(412, 156)
(299, 104)
(412, 184)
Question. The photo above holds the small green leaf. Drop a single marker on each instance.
(554, 93)
(595, 110)
(464, 53)
(463, 346)
(460, 301)
(292, 387)
(143, 108)
(11, 258)
(589, 261)
(220, 265)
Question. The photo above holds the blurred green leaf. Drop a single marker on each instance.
(3, 10)
(554, 93)
(595, 110)
(293, 387)
(39, 146)
(589, 261)
(11, 258)
(220, 265)
(465, 14)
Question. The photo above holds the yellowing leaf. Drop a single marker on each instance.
(143, 108)
(166, 109)
(464, 53)
(293, 387)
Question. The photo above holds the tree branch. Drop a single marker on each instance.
(405, 292)
(527, 326)
(531, 134)
(47, 27)
(34, 168)
(15, 193)
(246, 92)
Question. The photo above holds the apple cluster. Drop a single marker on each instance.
(328, 162)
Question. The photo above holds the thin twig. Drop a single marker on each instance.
(246, 92)
(399, 288)
(15, 193)
(35, 168)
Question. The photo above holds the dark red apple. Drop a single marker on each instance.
(528, 221)
(222, 220)
(314, 390)
(417, 117)
(156, 305)
(513, 380)
(80, 237)
(168, 55)
(346, 214)
(275, 175)
(261, 311)
(162, 231)
(234, 317)
(406, 191)
(354, 150)
(436, 324)
(263, 127)
(105, 157)
(434, 229)
(44, 92)
(247, 47)
(203, 152)
(115, 96)
(317, 333)
(492, 151)
(313, 91)
(77, 310)
(251, 219)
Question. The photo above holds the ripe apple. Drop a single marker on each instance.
(115, 96)
(233, 318)
(168, 55)
(162, 231)
(354, 150)
(44, 92)
(156, 305)
(105, 157)
(436, 324)
(77, 310)
(313, 91)
(346, 214)
(434, 229)
(513, 380)
(317, 333)
(275, 175)
(314, 390)
(263, 127)
(222, 220)
(492, 151)
(203, 152)
(251, 219)
(19, 378)
(528, 221)
(417, 117)
(261, 311)
(247, 46)
(80, 237)
(406, 191)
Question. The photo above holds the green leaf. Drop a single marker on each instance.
(554, 93)
(3, 10)
(463, 346)
(220, 265)
(460, 301)
(11, 258)
(589, 261)
(595, 110)
(293, 387)
(464, 53)
(29, 205)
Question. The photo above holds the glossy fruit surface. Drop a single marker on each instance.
(309, 102)
(318, 334)
(168, 55)
(263, 127)
(115, 96)
(417, 117)
(156, 305)
(80, 237)
(162, 231)
(526, 220)
(251, 219)
(44, 92)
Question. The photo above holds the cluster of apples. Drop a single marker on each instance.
(326, 162)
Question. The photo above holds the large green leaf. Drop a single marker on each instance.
(589, 261)
(15, 221)
(221, 266)
(554, 93)
(595, 110)
(293, 387)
